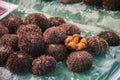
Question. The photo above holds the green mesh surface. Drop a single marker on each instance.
(91, 21)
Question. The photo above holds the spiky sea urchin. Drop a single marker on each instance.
(3, 30)
(54, 35)
(96, 45)
(43, 65)
(111, 37)
(10, 40)
(111, 4)
(58, 51)
(5, 51)
(12, 23)
(56, 21)
(32, 43)
(79, 61)
(37, 19)
(70, 29)
(26, 28)
(19, 62)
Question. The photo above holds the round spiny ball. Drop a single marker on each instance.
(93, 2)
(3, 30)
(43, 65)
(112, 38)
(70, 29)
(32, 43)
(96, 45)
(54, 35)
(19, 62)
(26, 28)
(111, 4)
(58, 51)
(70, 1)
(37, 19)
(56, 21)
(12, 23)
(5, 51)
(10, 40)
(79, 61)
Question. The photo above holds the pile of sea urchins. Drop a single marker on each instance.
(106, 4)
(37, 43)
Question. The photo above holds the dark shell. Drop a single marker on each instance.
(5, 51)
(111, 4)
(70, 29)
(10, 40)
(43, 65)
(54, 35)
(93, 2)
(3, 30)
(26, 28)
(96, 45)
(70, 1)
(79, 61)
(19, 62)
(58, 51)
(38, 19)
(12, 23)
(112, 38)
(56, 21)
(32, 43)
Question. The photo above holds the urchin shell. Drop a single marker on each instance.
(79, 61)
(56, 21)
(10, 40)
(70, 1)
(112, 38)
(58, 51)
(70, 29)
(96, 45)
(37, 19)
(26, 28)
(93, 2)
(3, 30)
(43, 65)
(19, 62)
(111, 4)
(5, 51)
(12, 23)
(54, 35)
(32, 43)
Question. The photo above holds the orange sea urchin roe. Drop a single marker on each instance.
(76, 42)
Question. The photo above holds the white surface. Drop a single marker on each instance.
(10, 7)
(116, 76)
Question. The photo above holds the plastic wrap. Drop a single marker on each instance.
(91, 21)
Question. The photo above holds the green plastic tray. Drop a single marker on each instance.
(91, 20)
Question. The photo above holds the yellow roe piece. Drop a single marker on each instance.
(72, 44)
(68, 39)
(83, 40)
(76, 39)
(76, 35)
(80, 46)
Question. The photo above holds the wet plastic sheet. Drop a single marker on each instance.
(91, 21)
